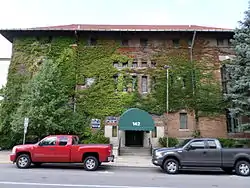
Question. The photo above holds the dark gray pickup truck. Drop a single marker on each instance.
(204, 152)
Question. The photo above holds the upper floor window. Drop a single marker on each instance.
(153, 64)
(92, 41)
(144, 84)
(134, 64)
(176, 43)
(116, 64)
(124, 42)
(220, 42)
(125, 64)
(144, 64)
(143, 42)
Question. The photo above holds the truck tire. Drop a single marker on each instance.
(90, 163)
(23, 161)
(242, 168)
(171, 166)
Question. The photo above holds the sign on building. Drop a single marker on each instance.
(95, 123)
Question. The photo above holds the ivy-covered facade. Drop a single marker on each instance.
(115, 68)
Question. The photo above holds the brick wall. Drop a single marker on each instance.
(213, 127)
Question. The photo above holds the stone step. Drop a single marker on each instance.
(133, 151)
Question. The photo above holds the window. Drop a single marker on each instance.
(50, 141)
(144, 64)
(134, 64)
(92, 41)
(89, 81)
(198, 144)
(153, 81)
(211, 144)
(116, 64)
(63, 141)
(176, 43)
(153, 64)
(125, 64)
(220, 42)
(154, 133)
(124, 42)
(143, 42)
(183, 121)
(224, 78)
(114, 131)
(144, 84)
(189, 42)
(134, 78)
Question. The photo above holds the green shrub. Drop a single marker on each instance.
(227, 142)
(171, 141)
(97, 138)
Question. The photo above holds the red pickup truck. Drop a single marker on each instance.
(62, 149)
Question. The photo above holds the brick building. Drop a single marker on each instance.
(141, 42)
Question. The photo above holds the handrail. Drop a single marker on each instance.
(119, 147)
(150, 145)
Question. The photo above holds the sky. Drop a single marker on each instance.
(34, 13)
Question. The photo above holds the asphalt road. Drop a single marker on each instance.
(70, 176)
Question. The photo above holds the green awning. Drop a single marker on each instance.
(135, 119)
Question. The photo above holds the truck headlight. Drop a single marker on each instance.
(14, 150)
(158, 154)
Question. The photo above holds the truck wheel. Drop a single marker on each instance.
(23, 161)
(242, 168)
(90, 163)
(171, 166)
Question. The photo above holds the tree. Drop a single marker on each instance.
(48, 101)
(239, 70)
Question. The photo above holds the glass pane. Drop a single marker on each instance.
(183, 121)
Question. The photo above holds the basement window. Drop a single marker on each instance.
(114, 131)
(183, 121)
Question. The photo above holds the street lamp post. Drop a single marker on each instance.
(167, 98)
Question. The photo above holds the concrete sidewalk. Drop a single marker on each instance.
(4, 157)
(128, 161)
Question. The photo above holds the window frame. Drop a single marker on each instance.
(186, 121)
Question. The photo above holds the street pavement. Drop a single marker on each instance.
(68, 176)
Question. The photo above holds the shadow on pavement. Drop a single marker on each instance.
(104, 167)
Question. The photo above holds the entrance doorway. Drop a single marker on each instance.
(134, 138)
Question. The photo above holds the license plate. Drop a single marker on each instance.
(110, 158)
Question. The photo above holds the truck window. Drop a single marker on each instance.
(211, 144)
(63, 141)
(50, 141)
(198, 144)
